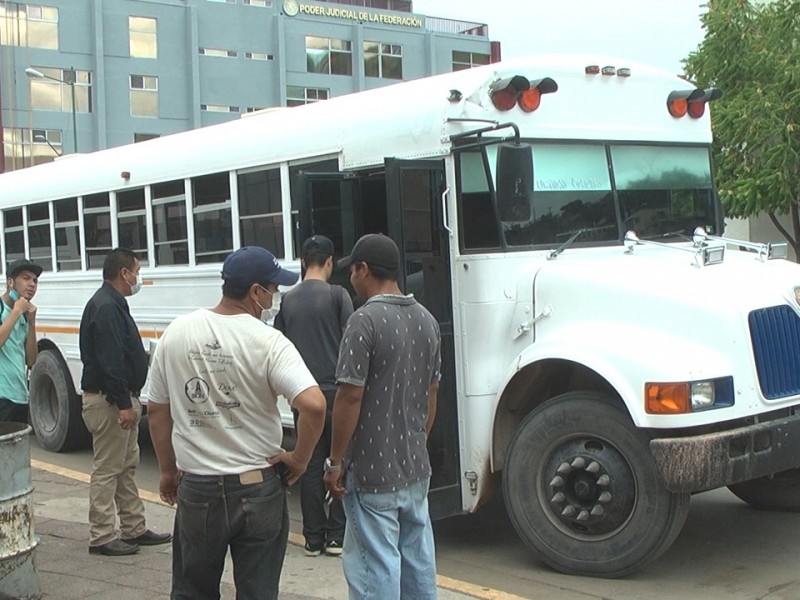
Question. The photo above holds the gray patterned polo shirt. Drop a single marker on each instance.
(391, 348)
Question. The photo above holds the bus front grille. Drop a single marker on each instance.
(775, 333)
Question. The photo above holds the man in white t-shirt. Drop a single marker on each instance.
(216, 429)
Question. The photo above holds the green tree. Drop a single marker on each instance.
(752, 53)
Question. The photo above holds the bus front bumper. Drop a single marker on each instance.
(712, 460)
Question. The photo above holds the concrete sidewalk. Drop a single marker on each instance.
(67, 571)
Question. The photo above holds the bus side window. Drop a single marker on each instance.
(39, 249)
(68, 239)
(169, 223)
(15, 238)
(478, 219)
(260, 213)
(96, 228)
(132, 221)
(213, 230)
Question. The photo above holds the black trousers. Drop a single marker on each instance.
(11, 411)
(322, 522)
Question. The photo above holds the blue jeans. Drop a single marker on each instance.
(215, 512)
(388, 543)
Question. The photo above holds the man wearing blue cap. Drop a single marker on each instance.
(216, 430)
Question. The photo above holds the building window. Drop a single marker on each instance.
(222, 108)
(467, 60)
(143, 137)
(296, 95)
(144, 96)
(143, 37)
(52, 94)
(383, 60)
(132, 222)
(252, 109)
(328, 55)
(265, 3)
(96, 228)
(29, 147)
(260, 216)
(258, 56)
(211, 202)
(218, 52)
(169, 223)
(14, 234)
(68, 237)
(28, 25)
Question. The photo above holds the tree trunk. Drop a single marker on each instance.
(794, 240)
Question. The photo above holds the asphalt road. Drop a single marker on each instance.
(726, 550)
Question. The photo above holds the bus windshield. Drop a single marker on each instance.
(604, 189)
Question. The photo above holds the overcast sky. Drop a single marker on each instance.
(657, 32)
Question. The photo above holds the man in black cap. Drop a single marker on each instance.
(313, 316)
(216, 429)
(17, 338)
(388, 376)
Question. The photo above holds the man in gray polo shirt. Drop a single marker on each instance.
(388, 376)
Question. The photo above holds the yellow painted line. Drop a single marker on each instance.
(455, 585)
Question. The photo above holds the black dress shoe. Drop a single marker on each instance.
(149, 538)
(114, 548)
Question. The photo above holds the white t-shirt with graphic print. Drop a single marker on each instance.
(221, 376)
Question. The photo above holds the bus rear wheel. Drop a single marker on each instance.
(777, 492)
(582, 491)
(55, 408)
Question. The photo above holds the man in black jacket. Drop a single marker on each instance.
(114, 372)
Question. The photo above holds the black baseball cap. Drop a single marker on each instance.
(376, 250)
(254, 264)
(22, 264)
(317, 244)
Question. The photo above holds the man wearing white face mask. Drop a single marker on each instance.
(114, 372)
(216, 429)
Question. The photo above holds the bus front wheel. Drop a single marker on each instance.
(777, 492)
(55, 408)
(582, 491)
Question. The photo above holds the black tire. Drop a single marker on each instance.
(582, 491)
(55, 408)
(779, 492)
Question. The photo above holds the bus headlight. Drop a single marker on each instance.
(702, 395)
(685, 397)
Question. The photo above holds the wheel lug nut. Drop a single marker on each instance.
(578, 463)
(568, 511)
(604, 497)
(594, 467)
(563, 468)
(603, 480)
(557, 481)
(583, 516)
(558, 498)
(598, 510)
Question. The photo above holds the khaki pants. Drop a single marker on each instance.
(113, 482)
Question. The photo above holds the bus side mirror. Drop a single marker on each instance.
(515, 182)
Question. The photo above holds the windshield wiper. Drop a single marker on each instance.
(565, 245)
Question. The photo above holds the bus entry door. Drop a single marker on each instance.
(416, 222)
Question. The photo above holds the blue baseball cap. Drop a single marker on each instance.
(254, 264)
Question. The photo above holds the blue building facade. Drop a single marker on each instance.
(84, 76)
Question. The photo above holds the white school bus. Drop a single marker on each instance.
(607, 351)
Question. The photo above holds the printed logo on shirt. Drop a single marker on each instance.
(196, 390)
(214, 345)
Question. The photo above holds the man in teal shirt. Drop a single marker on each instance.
(17, 338)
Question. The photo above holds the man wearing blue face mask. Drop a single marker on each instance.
(114, 372)
(17, 338)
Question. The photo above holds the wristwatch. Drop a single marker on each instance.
(332, 468)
